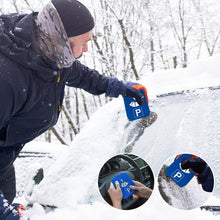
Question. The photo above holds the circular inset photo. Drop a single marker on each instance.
(126, 181)
(185, 181)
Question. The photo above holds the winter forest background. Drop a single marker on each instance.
(132, 39)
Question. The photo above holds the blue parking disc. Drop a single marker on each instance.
(125, 182)
(135, 111)
(179, 176)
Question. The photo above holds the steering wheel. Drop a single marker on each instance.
(124, 163)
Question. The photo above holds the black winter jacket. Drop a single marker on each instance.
(31, 86)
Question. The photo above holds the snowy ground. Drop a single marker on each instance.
(187, 123)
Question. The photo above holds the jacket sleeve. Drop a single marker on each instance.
(11, 101)
(206, 179)
(6, 102)
(88, 79)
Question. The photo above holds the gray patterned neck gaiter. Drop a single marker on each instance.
(52, 38)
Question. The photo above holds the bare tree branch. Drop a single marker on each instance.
(58, 136)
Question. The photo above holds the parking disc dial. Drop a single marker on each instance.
(135, 111)
(125, 182)
(179, 176)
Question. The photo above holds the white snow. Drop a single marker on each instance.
(202, 73)
(187, 123)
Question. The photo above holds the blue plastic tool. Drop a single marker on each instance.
(135, 111)
(177, 174)
(125, 181)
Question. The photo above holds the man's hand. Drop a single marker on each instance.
(129, 89)
(133, 92)
(142, 190)
(196, 164)
(204, 173)
(115, 195)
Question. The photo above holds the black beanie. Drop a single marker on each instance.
(75, 16)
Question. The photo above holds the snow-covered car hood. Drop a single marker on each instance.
(188, 122)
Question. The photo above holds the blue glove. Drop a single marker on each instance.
(9, 212)
(116, 88)
(196, 164)
(204, 173)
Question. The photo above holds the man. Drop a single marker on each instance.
(38, 58)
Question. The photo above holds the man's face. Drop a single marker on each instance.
(79, 44)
